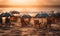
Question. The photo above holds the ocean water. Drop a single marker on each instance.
(30, 9)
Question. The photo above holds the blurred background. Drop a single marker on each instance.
(29, 5)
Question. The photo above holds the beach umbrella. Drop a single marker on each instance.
(58, 15)
(14, 12)
(26, 16)
(41, 15)
(6, 14)
(52, 15)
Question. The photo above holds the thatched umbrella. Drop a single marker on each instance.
(52, 15)
(14, 12)
(26, 16)
(58, 15)
(24, 21)
(5, 15)
(41, 15)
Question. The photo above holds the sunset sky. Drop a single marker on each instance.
(28, 5)
(29, 2)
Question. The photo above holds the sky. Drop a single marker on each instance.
(28, 5)
(30, 2)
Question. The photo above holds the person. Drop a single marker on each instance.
(0, 20)
(49, 22)
(25, 22)
(37, 24)
(7, 22)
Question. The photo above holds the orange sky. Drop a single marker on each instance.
(29, 2)
(27, 5)
(19, 2)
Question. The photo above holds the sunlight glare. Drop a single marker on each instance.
(23, 2)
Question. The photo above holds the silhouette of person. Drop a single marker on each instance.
(25, 22)
(0, 20)
(7, 20)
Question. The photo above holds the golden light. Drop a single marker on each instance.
(20, 5)
(22, 2)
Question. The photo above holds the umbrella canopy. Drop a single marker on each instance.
(41, 15)
(52, 15)
(58, 15)
(26, 16)
(14, 12)
(5, 15)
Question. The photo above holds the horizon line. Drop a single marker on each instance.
(13, 6)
